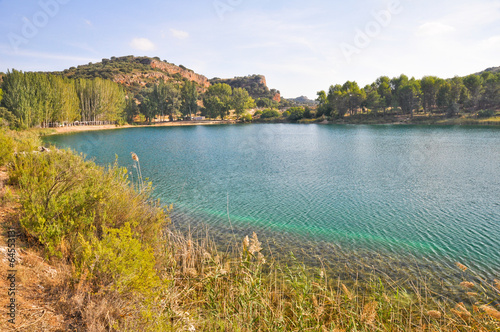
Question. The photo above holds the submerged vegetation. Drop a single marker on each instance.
(123, 267)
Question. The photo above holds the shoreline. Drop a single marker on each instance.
(76, 129)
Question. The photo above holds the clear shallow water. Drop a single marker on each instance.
(429, 192)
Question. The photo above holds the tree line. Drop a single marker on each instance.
(29, 99)
(37, 99)
(405, 95)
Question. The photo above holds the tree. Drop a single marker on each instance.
(337, 101)
(355, 96)
(100, 99)
(384, 90)
(270, 113)
(241, 101)
(322, 99)
(373, 100)
(169, 99)
(474, 85)
(491, 91)
(444, 98)
(217, 100)
(430, 86)
(296, 113)
(162, 100)
(264, 102)
(408, 94)
(189, 95)
(131, 109)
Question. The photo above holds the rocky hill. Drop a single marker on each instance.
(303, 101)
(492, 70)
(136, 73)
(256, 86)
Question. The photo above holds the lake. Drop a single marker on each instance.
(428, 193)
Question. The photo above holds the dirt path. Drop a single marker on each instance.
(30, 281)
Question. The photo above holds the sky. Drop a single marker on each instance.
(301, 47)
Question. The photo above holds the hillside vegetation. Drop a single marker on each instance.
(147, 90)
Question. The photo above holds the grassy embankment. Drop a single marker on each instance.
(96, 253)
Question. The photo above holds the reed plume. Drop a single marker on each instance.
(467, 284)
(497, 284)
(492, 312)
(461, 311)
(369, 313)
(139, 173)
(434, 314)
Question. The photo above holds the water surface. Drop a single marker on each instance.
(428, 192)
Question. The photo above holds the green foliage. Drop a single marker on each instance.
(246, 117)
(254, 84)
(269, 113)
(162, 99)
(486, 113)
(217, 100)
(100, 100)
(264, 102)
(63, 196)
(6, 147)
(189, 95)
(296, 113)
(258, 112)
(119, 261)
(404, 95)
(309, 113)
(408, 94)
(131, 109)
(33, 99)
(241, 101)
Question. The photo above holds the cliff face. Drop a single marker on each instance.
(186, 73)
(162, 71)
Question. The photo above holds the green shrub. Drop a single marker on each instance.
(247, 117)
(296, 113)
(63, 196)
(119, 262)
(268, 114)
(485, 113)
(6, 147)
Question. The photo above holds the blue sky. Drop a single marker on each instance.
(300, 46)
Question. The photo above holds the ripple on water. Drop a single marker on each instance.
(423, 192)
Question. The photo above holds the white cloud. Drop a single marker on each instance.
(179, 34)
(88, 22)
(142, 44)
(42, 55)
(433, 29)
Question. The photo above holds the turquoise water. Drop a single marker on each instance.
(429, 192)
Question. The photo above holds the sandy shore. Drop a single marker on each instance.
(65, 130)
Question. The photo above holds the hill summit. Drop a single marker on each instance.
(136, 73)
